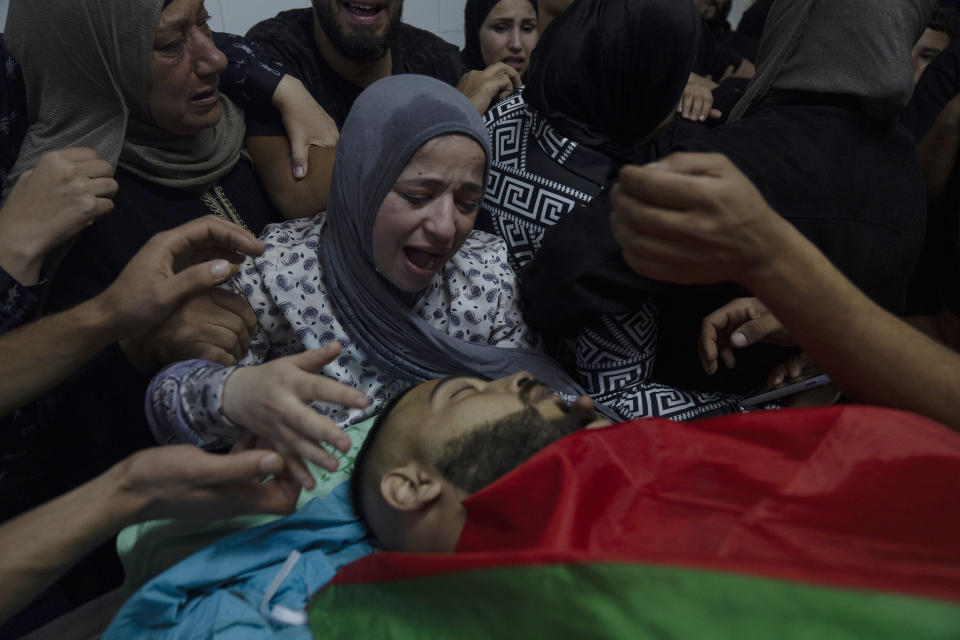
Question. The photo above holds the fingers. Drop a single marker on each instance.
(239, 307)
(197, 278)
(210, 231)
(789, 370)
(755, 330)
(709, 339)
(94, 168)
(74, 154)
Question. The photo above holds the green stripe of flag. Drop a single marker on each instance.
(620, 601)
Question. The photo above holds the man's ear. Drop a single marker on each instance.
(410, 487)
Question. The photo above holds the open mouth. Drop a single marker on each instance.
(423, 260)
(206, 97)
(515, 62)
(364, 10)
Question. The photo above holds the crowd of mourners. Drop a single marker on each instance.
(221, 255)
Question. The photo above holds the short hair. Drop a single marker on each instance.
(946, 18)
(363, 455)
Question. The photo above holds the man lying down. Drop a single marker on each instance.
(856, 503)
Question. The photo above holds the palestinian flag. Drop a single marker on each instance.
(839, 522)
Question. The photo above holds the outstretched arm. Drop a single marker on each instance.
(694, 218)
(162, 274)
(176, 481)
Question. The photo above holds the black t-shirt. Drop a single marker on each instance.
(289, 40)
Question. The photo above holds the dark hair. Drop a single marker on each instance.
(476, 459)
(359, 463)
(946, 18)
(474, 13)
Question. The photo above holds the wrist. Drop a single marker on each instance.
(123, 504)
(22, 259)
(783, 250)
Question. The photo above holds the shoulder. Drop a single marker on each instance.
(419, 51)
(285, 23)
(286, 36)
(292, 234)
(511, 108)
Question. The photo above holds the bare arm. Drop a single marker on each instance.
(40, 355)
(694, 218)
(176, 481)
(293, 198)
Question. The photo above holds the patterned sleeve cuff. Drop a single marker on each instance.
(183, 404)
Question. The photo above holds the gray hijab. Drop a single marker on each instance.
(86, 65)
(387, 124)
(858, 48)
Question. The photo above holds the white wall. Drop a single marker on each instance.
(443, 17)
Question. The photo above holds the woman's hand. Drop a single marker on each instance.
(272, 400)
(485, 86)
(696, 104)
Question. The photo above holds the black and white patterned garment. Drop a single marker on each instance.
(537, 176)
(473, 298)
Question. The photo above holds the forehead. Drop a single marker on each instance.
(179, 11)
(445, 153)
(519, 9)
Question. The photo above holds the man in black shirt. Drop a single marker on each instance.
(337, 49)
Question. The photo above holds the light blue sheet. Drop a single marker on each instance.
(216, 592)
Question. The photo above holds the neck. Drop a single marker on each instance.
(362, 74)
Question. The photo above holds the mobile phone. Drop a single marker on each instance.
(809, 379)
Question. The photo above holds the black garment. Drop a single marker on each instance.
(288, 39)
(852, 186)
(474, 13)
(13, 111)
(951, 287)
(939, 84)
(96, 418)
(754, 18)
(606, 74)
(714, 56)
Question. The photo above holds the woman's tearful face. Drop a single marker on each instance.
(185, 70)
(429, 211)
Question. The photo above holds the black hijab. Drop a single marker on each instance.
(474, 13)
(608, 72)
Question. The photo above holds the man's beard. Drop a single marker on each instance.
(362, 47)
(477, 459)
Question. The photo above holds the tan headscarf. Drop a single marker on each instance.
(86, 64)
(858, 48)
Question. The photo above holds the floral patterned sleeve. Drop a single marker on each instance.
(183, 402)
(17, 302)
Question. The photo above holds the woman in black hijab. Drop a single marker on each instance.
(604, 78)
(499, 31)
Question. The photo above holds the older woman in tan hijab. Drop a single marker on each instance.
(137, 81)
